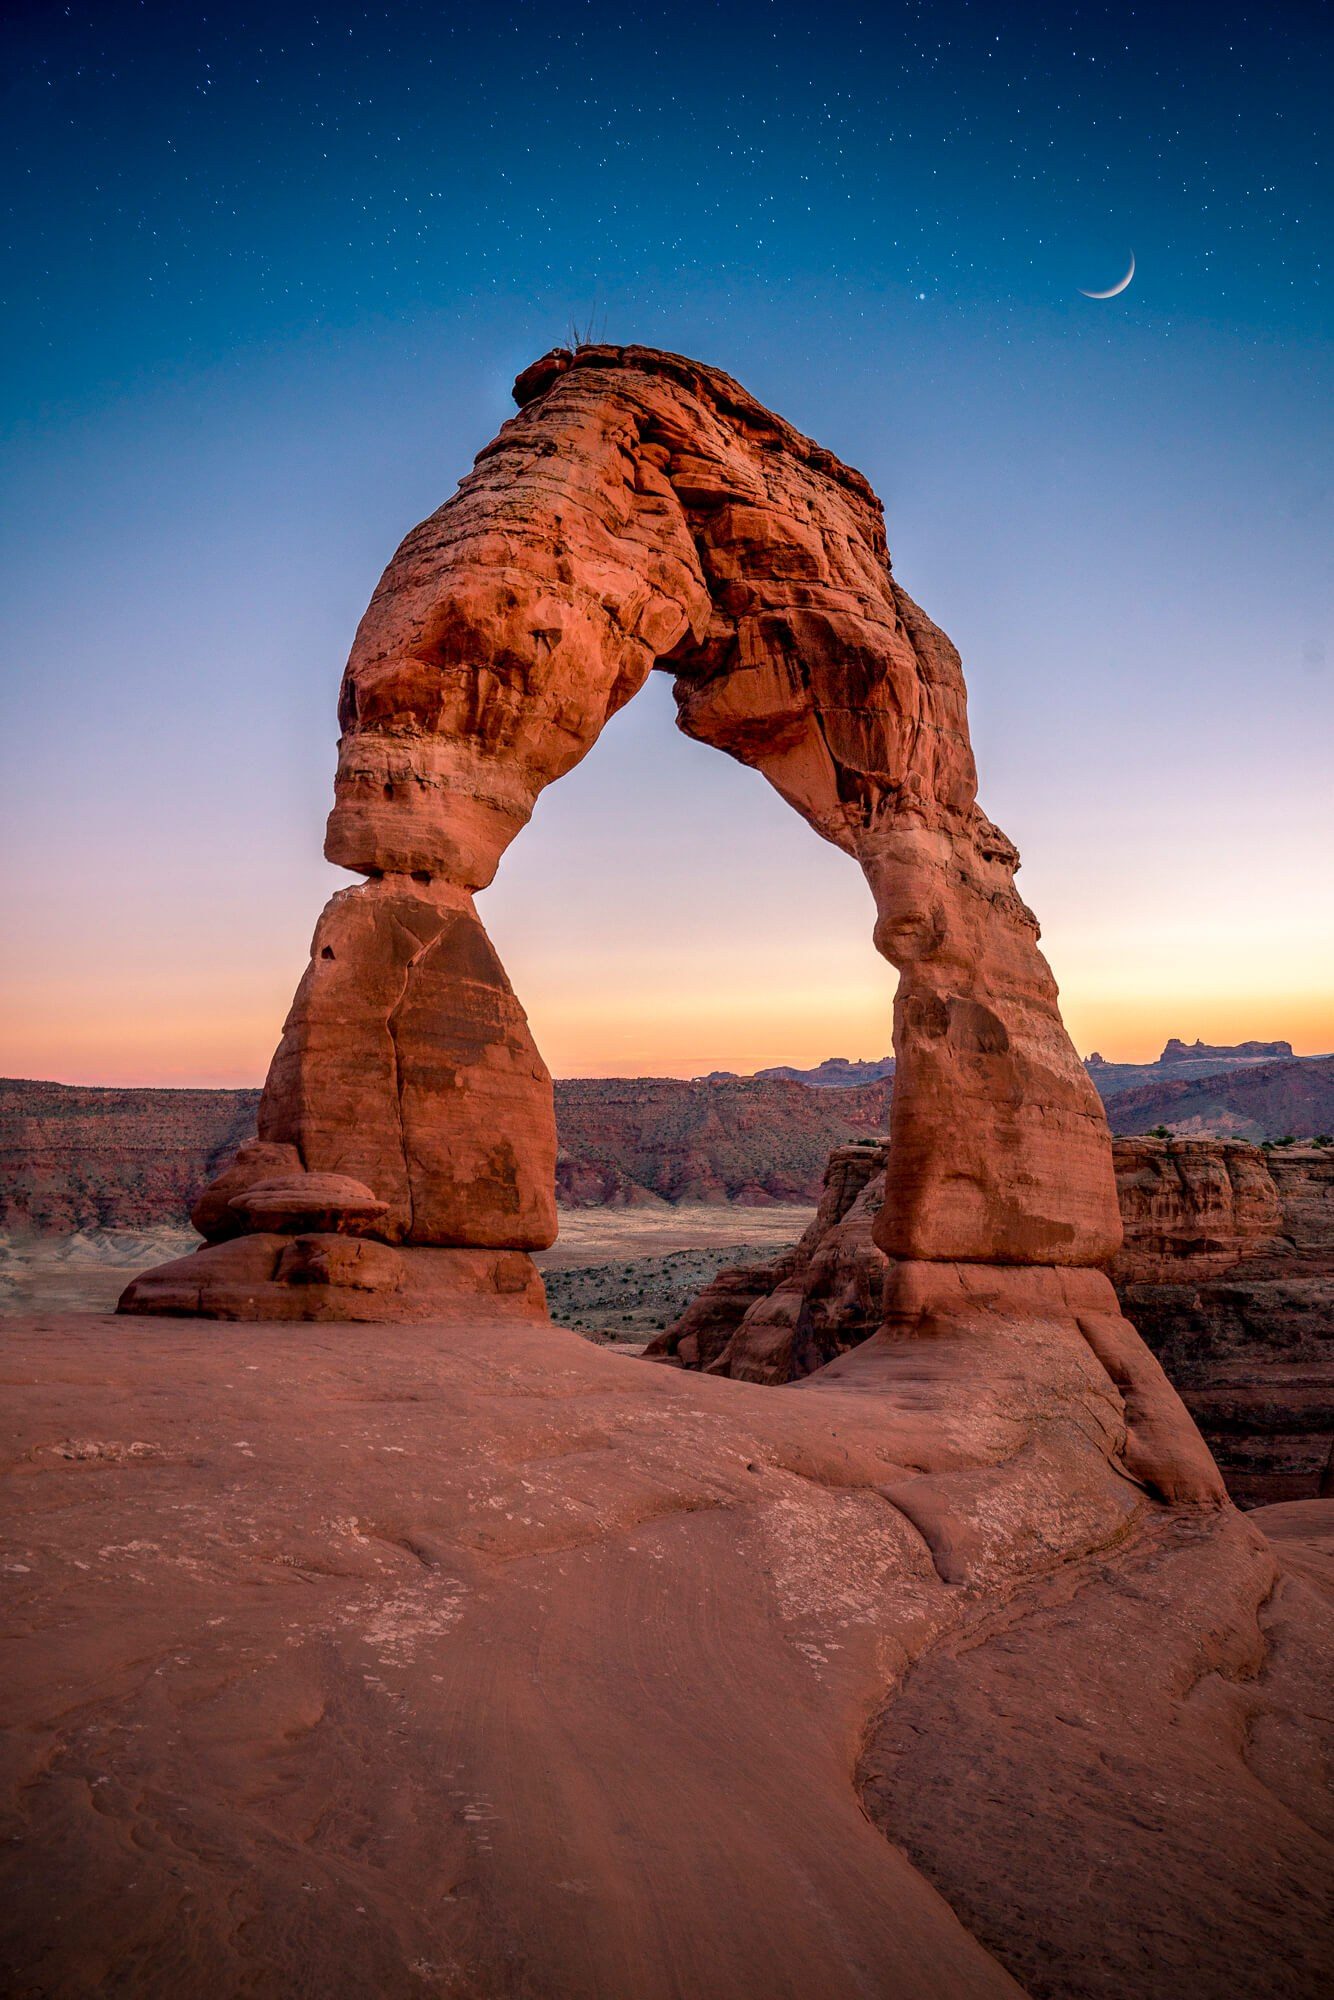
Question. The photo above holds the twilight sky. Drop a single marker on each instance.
(268, 274)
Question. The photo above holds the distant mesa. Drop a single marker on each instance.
(837, 1073)
(1181, 1060)
(834, 1073)
(1178, 1051)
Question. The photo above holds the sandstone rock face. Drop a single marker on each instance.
(406, 1063)
(217, 1213)
(1250, 1344)
(77, 1158)
(1190, 1207)
(1226, 1271)
(643, 511)
(474, 1659)
(298, 1201)
(267, 1275)
(776, 1322)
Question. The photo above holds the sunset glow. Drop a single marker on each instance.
(1118, 509)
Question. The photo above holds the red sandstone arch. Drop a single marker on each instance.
(640, 512)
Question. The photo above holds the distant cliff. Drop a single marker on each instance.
(742, 1139)
(1179, 1059)
(1179, 1052)
(78, 1158)
(74, 1158)
(1263, 1100)
(1184, 1059)
(836, 1073)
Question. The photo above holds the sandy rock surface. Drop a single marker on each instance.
(473, 1659)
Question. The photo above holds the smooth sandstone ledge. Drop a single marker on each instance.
(329, 1276)
(476, 1660)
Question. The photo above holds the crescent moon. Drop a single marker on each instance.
(1115, 288)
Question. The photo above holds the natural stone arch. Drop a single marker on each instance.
(640, 512)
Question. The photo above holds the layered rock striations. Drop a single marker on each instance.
(1191, 1208)
(76, 1158)
(746, 1140)
(1255, 1101)
(1237, 1300)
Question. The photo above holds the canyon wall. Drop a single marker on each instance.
(1226, 1270)
(1266, 1100)
(80, 1158)
(74, 1158)
(1240, 1314)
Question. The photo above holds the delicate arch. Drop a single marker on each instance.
(640, 512)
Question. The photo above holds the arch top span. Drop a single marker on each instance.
(641, 512)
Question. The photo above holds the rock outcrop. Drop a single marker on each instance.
(644, 512)
(1190, 1208)
(476, 1660)
(1249, 1338)
(1226, 1271)
(1255, 1101)
(777, 1322)
(74, 1158)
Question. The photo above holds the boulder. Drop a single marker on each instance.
(310, 1201)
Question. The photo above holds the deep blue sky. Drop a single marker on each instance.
(268, 275)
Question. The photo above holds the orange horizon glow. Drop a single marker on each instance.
(203, 1048)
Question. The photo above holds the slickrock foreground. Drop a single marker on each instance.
(474, 1660)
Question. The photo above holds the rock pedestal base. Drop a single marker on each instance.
(1006, 1308)
(331, 1277)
